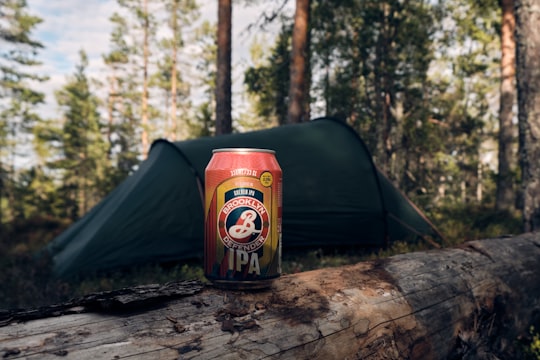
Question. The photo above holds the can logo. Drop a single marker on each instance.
(243, 222)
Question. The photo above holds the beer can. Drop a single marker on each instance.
(243, 206)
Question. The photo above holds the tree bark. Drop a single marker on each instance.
(470, 302)
(383, 86)
(174, 76)
(505, 197)
(299, 54)
(223, 76)
(111, 102)
(527, 13)
(144, 100)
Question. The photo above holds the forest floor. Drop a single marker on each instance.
(26, 280)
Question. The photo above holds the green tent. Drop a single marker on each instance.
(333, 196)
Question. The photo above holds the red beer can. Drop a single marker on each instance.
(243, 202)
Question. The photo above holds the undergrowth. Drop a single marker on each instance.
(533, 348)
(460, 223)
(26, 279)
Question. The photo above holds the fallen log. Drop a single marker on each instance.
(470, 302)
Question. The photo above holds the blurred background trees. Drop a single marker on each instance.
(429, 86)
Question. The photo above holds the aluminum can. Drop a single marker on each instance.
(243, 207)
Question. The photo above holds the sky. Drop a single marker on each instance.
(69, 26)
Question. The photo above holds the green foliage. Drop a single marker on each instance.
(534, 348)
(82, 150)
(18, 97)
(378, 67)
(373, 65)
(413, 78)
(122, 105)
(25, 277)
(37, 195)
(268, 80)
(203, 121)
(180, 15)
(529, 344)
(459, 223)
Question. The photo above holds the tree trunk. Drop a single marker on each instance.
(111, 101)
(527, 13)
(505, 197)
(174, 56)
(144, 97)
(299, 53)
(470, 302)
(383, 78)
(223, 76)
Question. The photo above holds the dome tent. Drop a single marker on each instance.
(333, 196)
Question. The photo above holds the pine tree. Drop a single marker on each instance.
(299, 65)
(141, 25)
(83, 158)
(505, 197)
(40, 188)
(204, 120)
(384, 68)
(223, 75)
(18, 97)
(528, 91)
(123, 103)
(180, 15)
(370, 69)
(268, 81)
(471, 57)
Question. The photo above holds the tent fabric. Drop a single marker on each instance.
(333, 196)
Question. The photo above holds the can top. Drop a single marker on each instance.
(239, 150)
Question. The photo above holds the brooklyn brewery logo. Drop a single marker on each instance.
(243, 220)
(243, 224)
